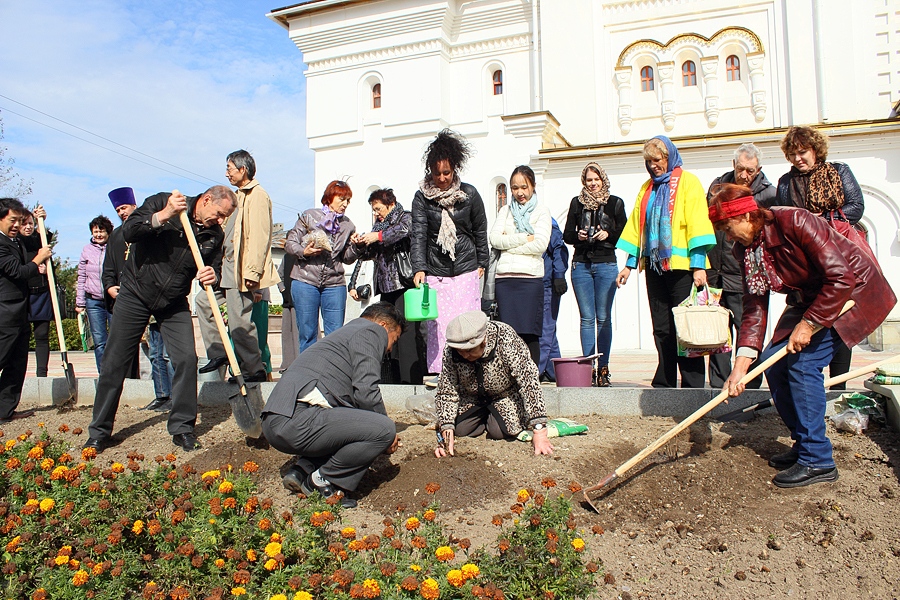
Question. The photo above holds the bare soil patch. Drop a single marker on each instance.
(698, 520)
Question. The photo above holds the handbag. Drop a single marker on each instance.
(404, 267)
(488, 293)
(420, 304)
(701, 325)
(850, 232)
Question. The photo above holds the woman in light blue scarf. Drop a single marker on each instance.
(521, 234)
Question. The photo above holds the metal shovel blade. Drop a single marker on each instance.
(71, 383)
(247, 406)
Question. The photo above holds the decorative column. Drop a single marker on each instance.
(756, 61)
(667, 93)
(623, 86)
(710, 67)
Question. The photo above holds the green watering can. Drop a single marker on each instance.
(420, 304)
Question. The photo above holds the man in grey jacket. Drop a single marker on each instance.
(327, 407)
(726, 271)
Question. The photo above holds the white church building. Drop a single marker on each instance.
(554, 84)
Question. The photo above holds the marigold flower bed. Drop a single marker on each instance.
(73, 527)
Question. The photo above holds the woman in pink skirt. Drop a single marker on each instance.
(449, 238)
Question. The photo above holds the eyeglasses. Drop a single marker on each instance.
(230, 169)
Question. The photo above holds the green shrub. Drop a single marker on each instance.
(70, 330)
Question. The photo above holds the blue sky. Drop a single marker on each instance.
(184, 82)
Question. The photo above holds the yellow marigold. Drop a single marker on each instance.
(303, 596)
(214, 474)
(117, 467)
(348, 533)
(523, 496)
(356, 545)
(371, 589)
(74, 564)
(97, 569)
(251, 555)
(415, 568)
(13, 463)
(13, 543)
(470, 571)
(10, 444)
(47, 464)
(225, 487)
(88, 453)
(61, 560)
(578, 544)
(273, 549)
(444, 553)
(412, 524)
(138, 527)
(238, 591)
(429, 589)
(47, 504)
(80, 578)
(429, 515)
(219, 563)
(270, 564)
(59, 473)
(278, 597)
(36, 453)
(275, 537)
(455, 578)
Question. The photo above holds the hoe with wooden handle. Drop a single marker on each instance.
(695, 416)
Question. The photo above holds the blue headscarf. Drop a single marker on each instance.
(522, 214)
(658, 248)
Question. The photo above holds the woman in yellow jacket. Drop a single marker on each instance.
(668, 235)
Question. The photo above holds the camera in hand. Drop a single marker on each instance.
(587, 224)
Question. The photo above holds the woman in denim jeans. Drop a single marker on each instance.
(90, 296)
(595, 221)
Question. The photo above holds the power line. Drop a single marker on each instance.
(207, 179)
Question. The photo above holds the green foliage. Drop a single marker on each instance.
(70, 331)
(72, 529)
(275, 309)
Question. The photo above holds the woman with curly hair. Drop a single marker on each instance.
(595, 222)
(90, 296)
(449, 238)
(320, 243)
(828, 189)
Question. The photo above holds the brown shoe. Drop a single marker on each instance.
(18, 414)
(603, 377)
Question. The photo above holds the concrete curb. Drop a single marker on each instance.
(560, 402)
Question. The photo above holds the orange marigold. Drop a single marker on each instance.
(412, 524)
(429, 515)
(432, 488)
(80, 578)
(455, 577)
(574, 487)
(371, 589)
(88, 454)
(251, 555)
(548, 482)
(270, 564)
(470, 571)
(154, 527)
(356, 545)
(348, 533)
(418, 542)
(117, 467)
(430, 589)
(522, 496)
(250, 467)
(230, 503)
(226, 487)
(356, 590)
(264, 524)
(444, 553)
(36, 453)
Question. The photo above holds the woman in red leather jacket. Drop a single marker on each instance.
(794, 252)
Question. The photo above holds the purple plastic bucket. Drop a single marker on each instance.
(574, 372)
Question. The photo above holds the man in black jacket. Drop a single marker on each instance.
(726, 272)
(14, 326)
(156, 281)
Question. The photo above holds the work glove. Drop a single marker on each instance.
(560, 287)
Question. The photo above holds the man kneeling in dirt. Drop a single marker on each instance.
(327, 407)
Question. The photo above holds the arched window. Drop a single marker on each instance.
(376, 95)
(647, 79)
(498, 82)
(688, 74)
(501, 196)
(732, 68)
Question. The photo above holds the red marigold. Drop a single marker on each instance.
(575, 487)
(548, 482)
(343, 577)
(597, 530)
(388, 532)
(264, 524)
(241, 577)
(516, 508)
(356, 590)
(179, 593)
(503, 545)
(418, 542)
(432, 488)
(409, 583)
(387, 569)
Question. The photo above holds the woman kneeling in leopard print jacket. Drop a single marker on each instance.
(488, 383)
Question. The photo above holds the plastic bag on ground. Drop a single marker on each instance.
(555, 428)
(868, 403)
(422, 407)
(852, 420)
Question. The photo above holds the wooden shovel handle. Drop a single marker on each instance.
(51, 279)
(211, 295)
(700, 412)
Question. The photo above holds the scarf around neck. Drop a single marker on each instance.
(759, 269)
(521, 214)
(331, 221)
(390, 218)
(587, 199)
(446, 199)
(658, 249)
(818, 191)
